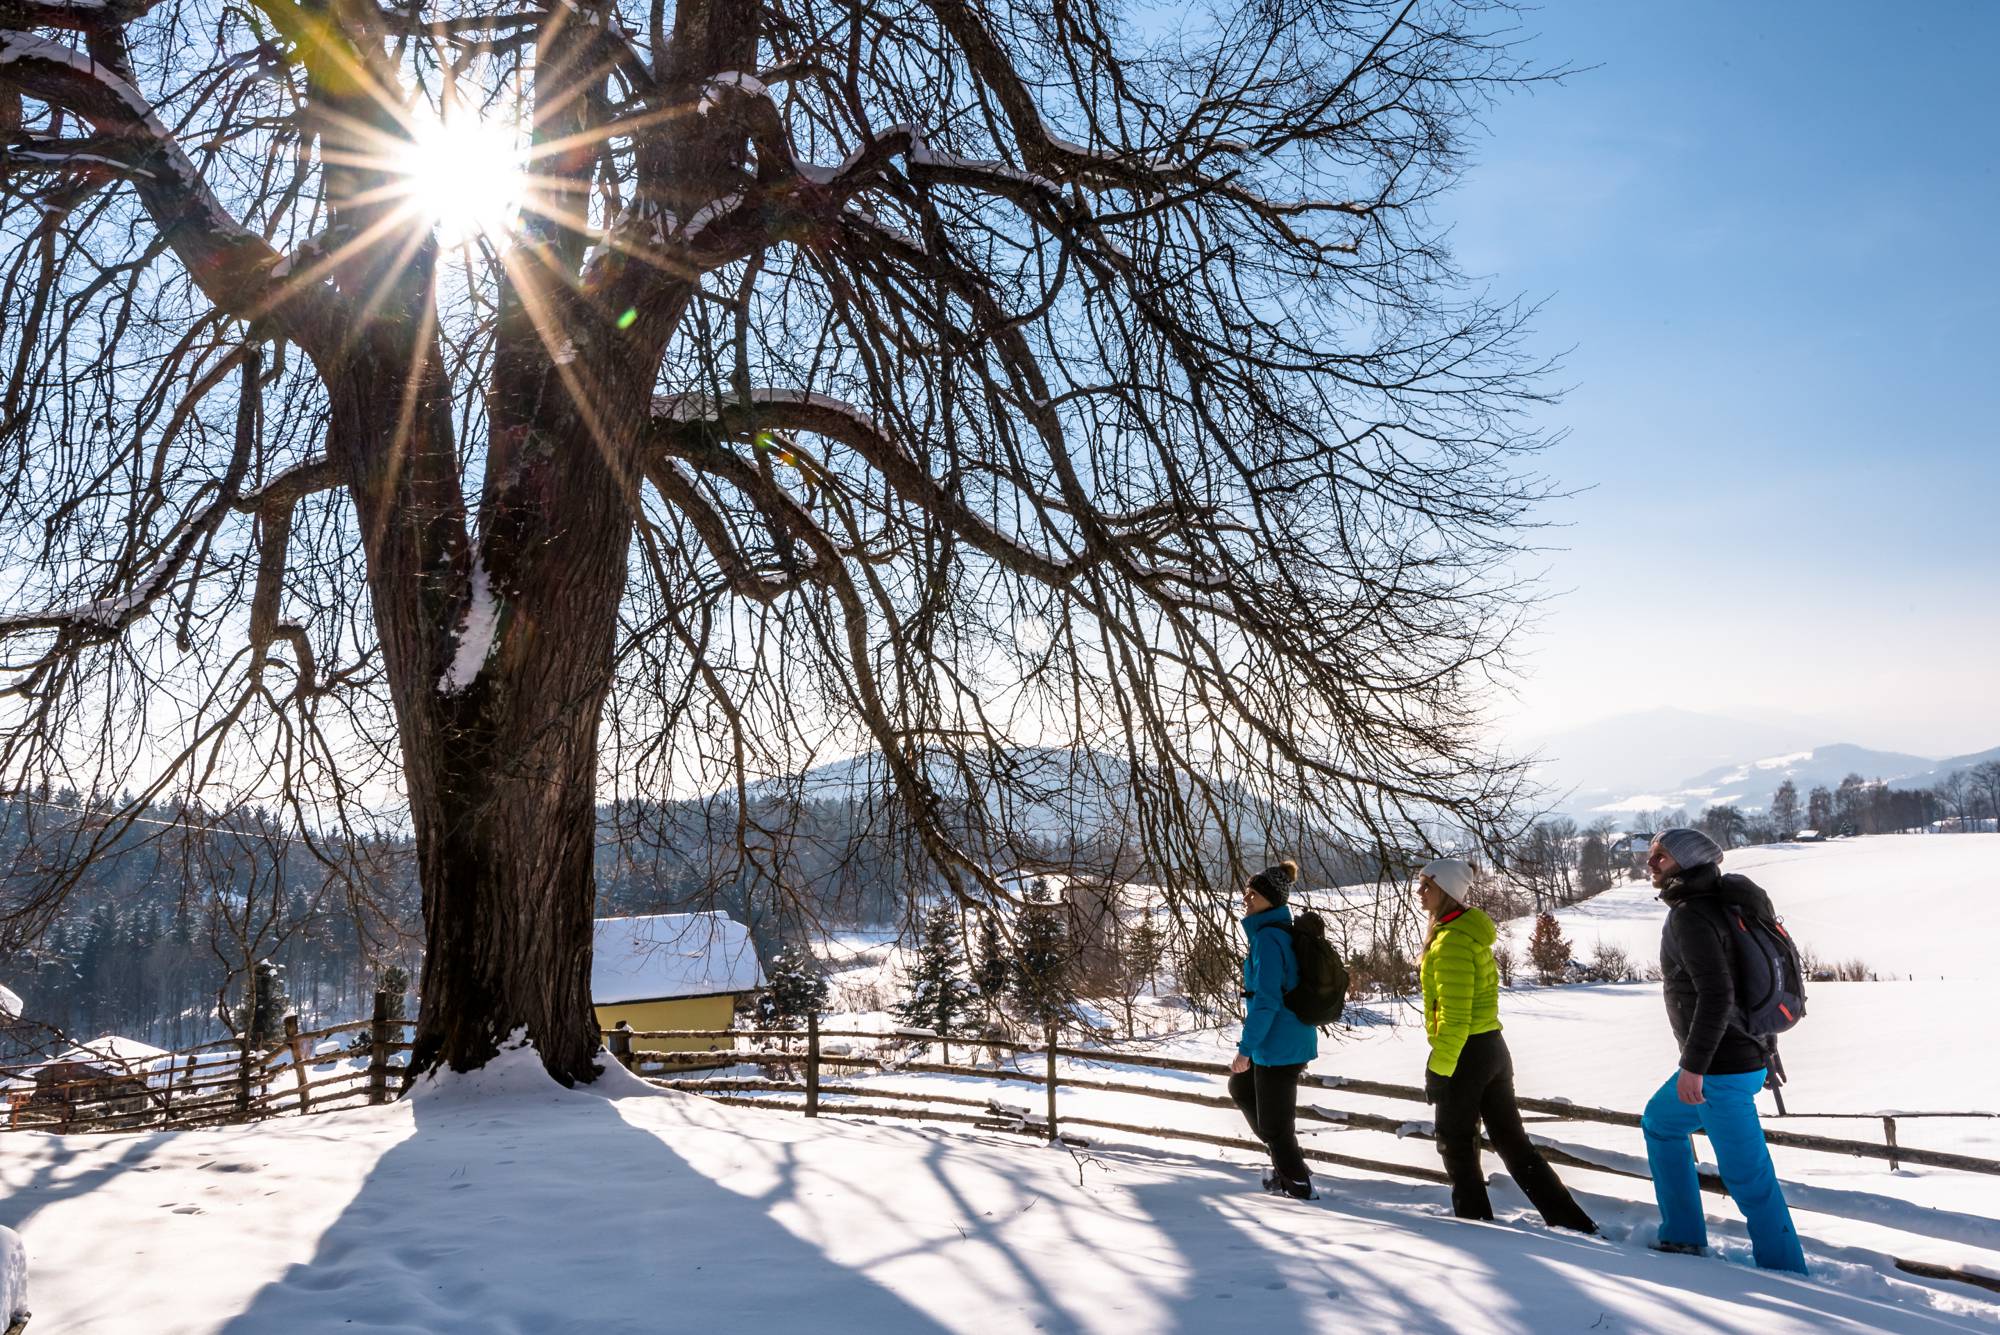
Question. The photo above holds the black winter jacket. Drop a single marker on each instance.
(1699, 973)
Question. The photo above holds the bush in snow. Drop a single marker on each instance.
(1209, 970)
(1610, 964)
(1547, 950)
(1381, 970)
(1503, 959)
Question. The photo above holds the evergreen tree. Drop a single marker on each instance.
(793, 988)
(1593, 868)
(261, 1018)
(1042, 984)
(1138, 963)
(938, 997)
(991, 975)
(395, 980)
(1145, 950)
(1547, 950)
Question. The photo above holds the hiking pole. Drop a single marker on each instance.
(1774, 1078)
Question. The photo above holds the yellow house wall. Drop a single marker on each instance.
(679, 1013)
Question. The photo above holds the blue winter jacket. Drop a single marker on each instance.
(1272, 1035)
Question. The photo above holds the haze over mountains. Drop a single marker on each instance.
(1676, 757)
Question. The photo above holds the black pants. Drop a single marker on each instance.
(1269, 1098)
(1482, 1089)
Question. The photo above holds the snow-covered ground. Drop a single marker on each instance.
(1906, 906)
(498, 1202)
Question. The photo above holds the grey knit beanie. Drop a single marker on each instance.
(1690, 848)
(1275, 883)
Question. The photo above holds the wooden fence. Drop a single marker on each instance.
(211, 1084)
(811, 1058)
(815, 1095)
(229, 1081)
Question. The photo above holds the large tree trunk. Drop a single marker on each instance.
(499, 731)
(499, 735)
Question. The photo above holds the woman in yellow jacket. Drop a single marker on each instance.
(1470, 1077)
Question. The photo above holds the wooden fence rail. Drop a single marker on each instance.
(1894, 1154)
(869, 1101)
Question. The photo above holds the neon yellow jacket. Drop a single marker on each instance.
(1461, 986)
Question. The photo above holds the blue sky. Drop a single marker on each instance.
(1766, 233)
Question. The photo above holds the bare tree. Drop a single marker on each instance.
(1726, 824)
(1960, 794)
(1985, 779)
(914, 382)
(1785, 810)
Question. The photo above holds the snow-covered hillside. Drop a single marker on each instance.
(1906, 906)
(499, 1203)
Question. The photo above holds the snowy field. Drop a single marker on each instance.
(1906, 906)
(500, 1203)
(497, 1203)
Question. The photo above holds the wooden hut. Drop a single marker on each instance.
(107, 1075)
(672, 971)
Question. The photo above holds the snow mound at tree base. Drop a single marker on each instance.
(13, 1278)
(501, 1202)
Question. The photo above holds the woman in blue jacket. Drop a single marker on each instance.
(1276, 1044)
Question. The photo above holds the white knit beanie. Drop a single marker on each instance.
(1453, 875)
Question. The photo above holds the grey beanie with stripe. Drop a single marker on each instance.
(1689, 848)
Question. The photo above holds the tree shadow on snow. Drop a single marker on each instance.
(549, 1212)
(57, 1178)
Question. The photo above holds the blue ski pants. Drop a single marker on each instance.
(1730, 1118)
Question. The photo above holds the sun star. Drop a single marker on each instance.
(467, 177)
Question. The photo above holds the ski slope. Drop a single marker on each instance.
(1916, 906)
(499, 1203)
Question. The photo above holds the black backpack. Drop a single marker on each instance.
(1770, 980)
(1321, 992)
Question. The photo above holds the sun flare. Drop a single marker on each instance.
(467, 177)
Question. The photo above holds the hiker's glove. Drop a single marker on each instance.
(1434, 1086)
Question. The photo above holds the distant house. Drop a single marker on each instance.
(108, 1070)
(1808, 837)
(672, 971)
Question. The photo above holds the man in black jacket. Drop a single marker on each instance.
(1722, 1066)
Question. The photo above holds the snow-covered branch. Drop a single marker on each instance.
(230, 262)
(72, 15)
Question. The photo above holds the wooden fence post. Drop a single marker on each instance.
(243, 1076)
(620, 1043)
(812, 1063)
(378, 1051)
(1049, 1033)
(1889, 1134)
(298, 1047)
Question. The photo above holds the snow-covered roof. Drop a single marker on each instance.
(111, 1053)
(114, 1050)
(665, 955)
(10, 1005)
